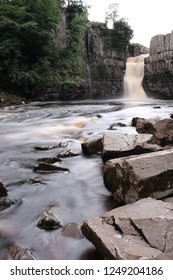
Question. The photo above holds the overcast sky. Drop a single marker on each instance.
(147, 18)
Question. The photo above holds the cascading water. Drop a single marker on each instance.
(133, 78)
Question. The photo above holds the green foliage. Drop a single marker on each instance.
(122, 34)
(27, 49)
(29, 57)
(72, 62)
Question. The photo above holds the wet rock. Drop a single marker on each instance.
(3, 191)
(6, 202)
(156, 107)
(119, 145)
(135, 177)
(45, 147)
(134, 121)
(50, 160)
(18, 253)
(115, 125)
(92, 146)
(99, 116)
(162, 130)
(49, 168)
(49, 220)
(68, 153)
(142, 230)
(73, 230)
(36, 181)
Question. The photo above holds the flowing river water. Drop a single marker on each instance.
(77, 195)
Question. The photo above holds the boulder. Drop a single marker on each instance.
(162, 130)
(117, 145)
(16, 252)
(3, 191)
(136, 177)
(73, 230)
(49, 220)
(92, 146)
(142, 230)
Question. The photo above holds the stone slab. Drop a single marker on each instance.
(136, 177)
(149, 234)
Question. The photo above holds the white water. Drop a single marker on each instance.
(133, 78)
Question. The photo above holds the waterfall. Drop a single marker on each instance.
(133, 78)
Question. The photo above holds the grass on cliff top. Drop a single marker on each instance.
(7, 99)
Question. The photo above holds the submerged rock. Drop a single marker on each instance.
(46, 167)
(7, 202)
(19, 253)
(45, 147)
(50, 160)
(36, 181)
(135, 177)
(142, 230)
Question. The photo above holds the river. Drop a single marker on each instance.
(77, 195)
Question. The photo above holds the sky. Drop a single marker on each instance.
(147, 18)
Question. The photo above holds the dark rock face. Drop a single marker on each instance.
(158, 78)
(142, 230)
(104, 65)
(3, 191)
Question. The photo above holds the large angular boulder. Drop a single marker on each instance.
(117, 145)
(136, 177)
(142, 230)
(162, 130)
(92, 146)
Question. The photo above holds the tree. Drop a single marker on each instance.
(111, 14)
(27, 48)
(123, 33)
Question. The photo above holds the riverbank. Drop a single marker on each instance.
(8, 99)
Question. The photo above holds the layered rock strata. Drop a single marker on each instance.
(142, 230)
(158, 78)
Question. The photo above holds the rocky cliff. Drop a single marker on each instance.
(158, 79)
(105, 63)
